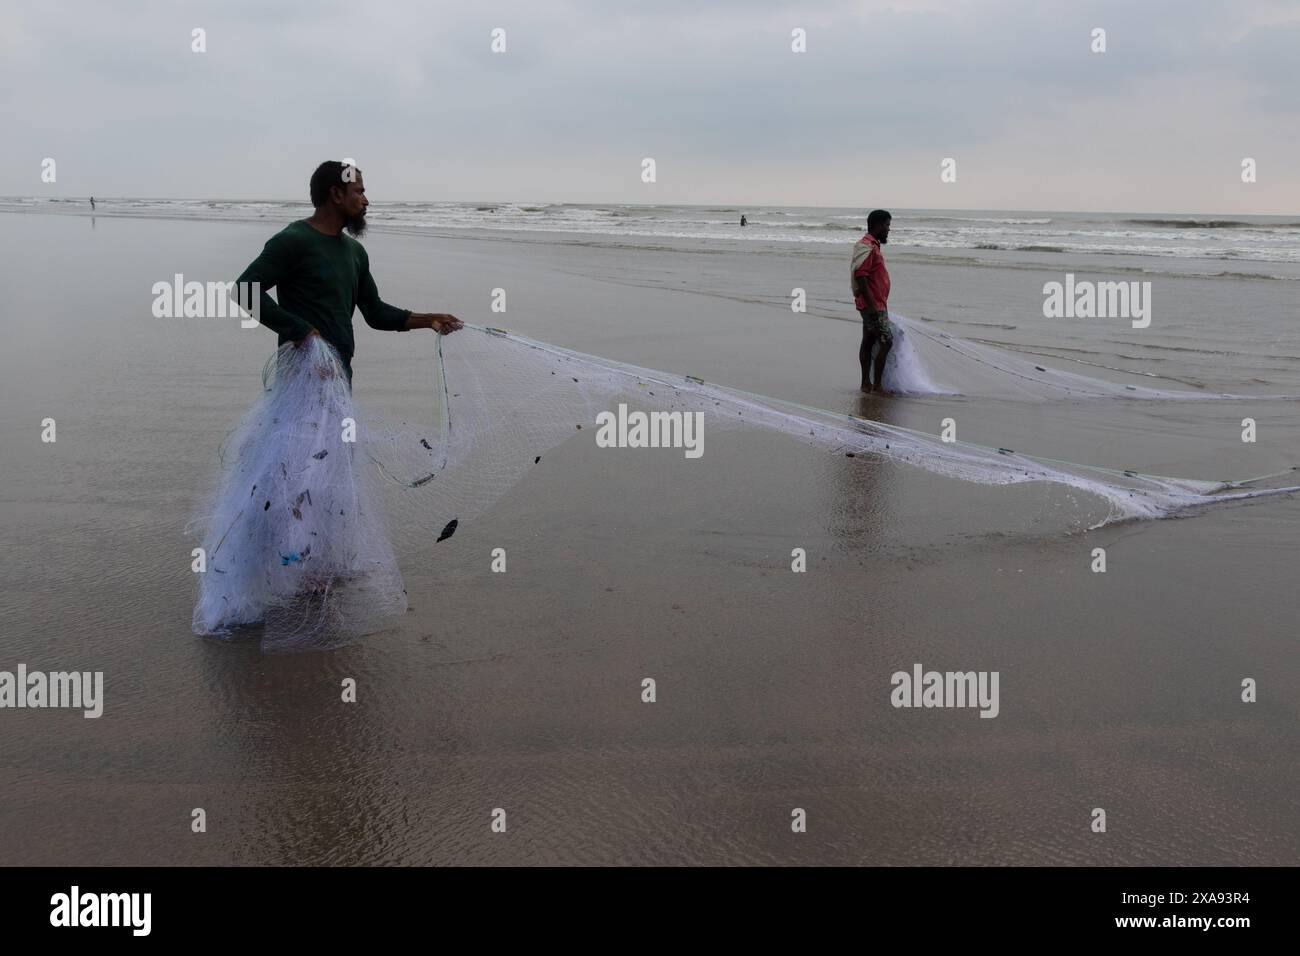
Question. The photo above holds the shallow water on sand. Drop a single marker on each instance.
(523, 691)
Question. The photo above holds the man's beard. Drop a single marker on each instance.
(356, 226)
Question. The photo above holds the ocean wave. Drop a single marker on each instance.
(1033, 248)
(1228, 250)
(1223, 275)
(1001, 222)
(1212, 224)
(997, 220)
(836, 226)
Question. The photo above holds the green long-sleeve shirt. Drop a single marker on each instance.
(319, 280)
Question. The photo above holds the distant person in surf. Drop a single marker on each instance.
(743, 221)
(323, 276)
(871, 297)
(92, 203)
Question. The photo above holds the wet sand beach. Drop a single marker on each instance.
(523, 690)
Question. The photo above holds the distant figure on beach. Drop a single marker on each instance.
(92, 203)
(871, 297)
(323, 275)
(743, 221)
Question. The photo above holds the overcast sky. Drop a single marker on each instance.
(709, 88)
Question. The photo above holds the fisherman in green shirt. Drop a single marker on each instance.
(321, 275)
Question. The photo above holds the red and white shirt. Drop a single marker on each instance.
(869, 263)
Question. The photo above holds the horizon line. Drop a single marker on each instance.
(738, 207)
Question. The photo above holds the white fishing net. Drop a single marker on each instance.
(927, 361)
(507, 399)
(295, 541)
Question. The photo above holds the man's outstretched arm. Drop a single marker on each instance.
(438, 321)
(267, 270)
(380, 315)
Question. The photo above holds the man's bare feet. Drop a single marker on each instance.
(867, 389)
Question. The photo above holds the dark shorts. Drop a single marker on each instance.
(877, 323)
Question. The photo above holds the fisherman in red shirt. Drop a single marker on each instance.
(871, 296)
